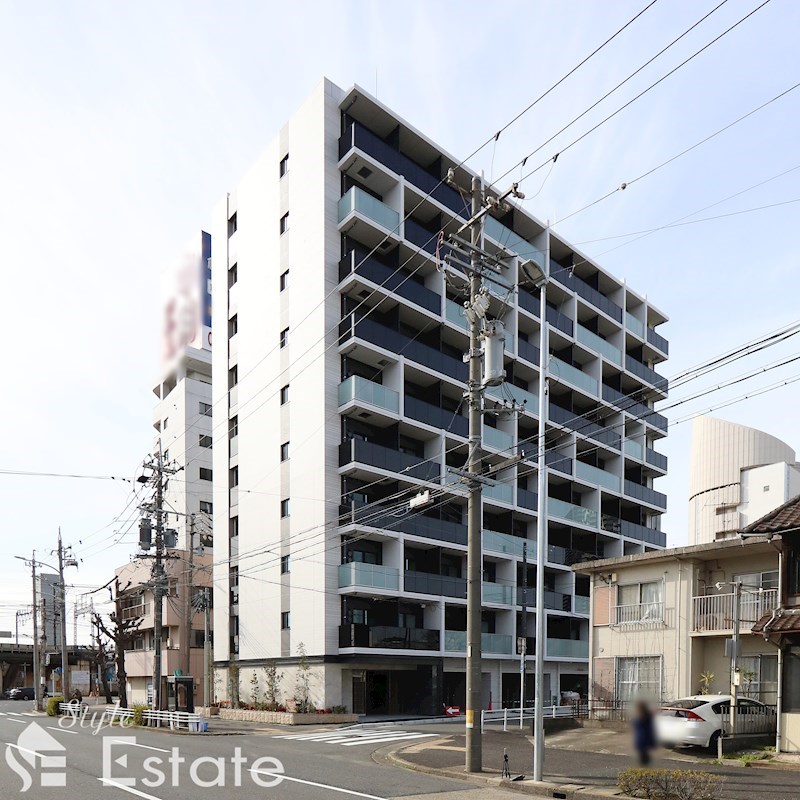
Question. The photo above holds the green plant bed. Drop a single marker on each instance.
(138, 714)
(669, 784)
(52, 705)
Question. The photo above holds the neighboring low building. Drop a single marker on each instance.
(182, 646)
(660, 621)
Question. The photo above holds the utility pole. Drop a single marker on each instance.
(737, 611)
(523, 639)
(158, 579)
(188, 610)
(37, 689)
(64, 654)
(207, 648)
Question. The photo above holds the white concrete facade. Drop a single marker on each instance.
(737, 475)
(378, 600)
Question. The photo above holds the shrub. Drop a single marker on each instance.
(339, 710)
(52, 705)
(669, 784)
(138, 714)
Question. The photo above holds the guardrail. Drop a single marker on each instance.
(518, 716)
(173, 719)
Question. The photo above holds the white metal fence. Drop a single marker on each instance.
(715, 612)
(516, 717)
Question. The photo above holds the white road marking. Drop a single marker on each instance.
(61, 730)
(388, 739)
(20, 721)
(314, 783)
(144, 746)
(15, 713)
(351, 737)
(129, 789)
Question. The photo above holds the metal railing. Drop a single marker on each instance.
(518, 716)
(715, 612)
(640, 614)
(750, 719)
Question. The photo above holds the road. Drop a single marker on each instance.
(308, 769)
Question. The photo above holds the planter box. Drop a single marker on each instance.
(286, 717)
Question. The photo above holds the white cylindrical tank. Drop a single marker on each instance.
(494, 342)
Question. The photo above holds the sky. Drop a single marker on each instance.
(125, 123)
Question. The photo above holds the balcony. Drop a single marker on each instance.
(566, 277)
(454, 312)
(567, 556)
(356, 135)
(528, 351)
(420, 236)
(645, 494)
(527, 499)
(498, 593)
(436, 417)
(579, 379)
(599, 345)
(356, 388)
(456, 642)
(553, 601)
(658, 341)
(502, 492)
(427, 527)
(509, 240)
(574, 421)
(601, 477)
(645, 373)
(639, 410)
(571, 513)
(632, 530)
(496, 542)
(556, 319)
(655, 459)
(640, 614)
(714, 613)
(497, 439)
(388, 637)
(581, 604)
(524, 398)
(386, 458)
(634, 325)
(567, 648)
(439, 585)
(356, 200)
(392, 280)
(373, 576)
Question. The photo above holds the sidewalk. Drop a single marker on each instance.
(587, 774)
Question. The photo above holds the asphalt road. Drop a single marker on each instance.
(113, 763)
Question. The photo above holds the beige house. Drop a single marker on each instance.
(660, 621)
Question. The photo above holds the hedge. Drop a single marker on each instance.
(669, 784)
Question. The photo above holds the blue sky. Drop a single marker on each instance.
(124, 124)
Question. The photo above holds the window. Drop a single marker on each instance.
(639, 677)
(284, 338)
(284, 166)
(285, 507)
(284, 394)
(284, 281)
(166, 455)
(233, 376)
(232, 225)
(640, 602)
(233, 427)
(233, 527)
(166, 422)
(285, 451)
(198, 638)
(234, 476)
(284, 224)
(205, 409)
(204, 440)
(233, 275)
(759, 677)
(233, 325)
(284, 620)
(284, 564)
(206, 507)
(206, 474)
(791, 680)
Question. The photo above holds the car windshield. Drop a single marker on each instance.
(688, 703)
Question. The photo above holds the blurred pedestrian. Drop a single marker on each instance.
(644, 737)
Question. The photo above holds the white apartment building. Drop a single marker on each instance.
(341, 378)
(737, 475)
(182, 416)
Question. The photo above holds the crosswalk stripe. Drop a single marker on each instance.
(389, 739)
(15, 713)
(351, 738)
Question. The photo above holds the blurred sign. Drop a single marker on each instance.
(5, 634)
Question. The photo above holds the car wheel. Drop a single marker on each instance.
(712, 742)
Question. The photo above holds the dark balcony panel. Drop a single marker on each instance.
(645, 494)
(388, 637)
(555, 601)
(566, 277)
(645, 373)
(559, 462)
(386, 458)
(640, 410)
(420, 236)
(358, 136)
(527, 499)
(426, 583)
(528, 351)
(657, 340)
(528, 302)
(633, 531)
(560, 321)
(570, 419)
(417, 525)
(435, 416)
(658, 460)
(390, 279)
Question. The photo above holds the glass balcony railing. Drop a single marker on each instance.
(365, 204)
(456, 642)
(634, 449)
(599, 345)
(601, 477)
(435, 416)
(512, 241)
(497, 593)
(358, 388)
(454, 312)
(388, 637)
(567, 277)
(419, 235)
(441, 530)
(647, 374)
(571, 513)
(499, 440)
(523, 397)
(501, 491)
(634, 325)
(505, 543)
(377, 455)
(577, 423)
(658, 341)
(563, 371)
(567, 648)
(429, 583)
(655, 459)
(528, 351)
(640, 410)
(645, 494)
(375, 576)
(581, 604)
(633, 530)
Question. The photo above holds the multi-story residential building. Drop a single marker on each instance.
(737, 475)
(343, 389)
(182, 415)
(183, 631)
(50, 594)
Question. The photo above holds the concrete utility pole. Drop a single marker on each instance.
(158, 581)
(37, 689)
(523, 639)
(207, 648)
(737, 612)
(188, 609)
(474, 754)
(64, 562)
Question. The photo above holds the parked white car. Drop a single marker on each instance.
(700, 720)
